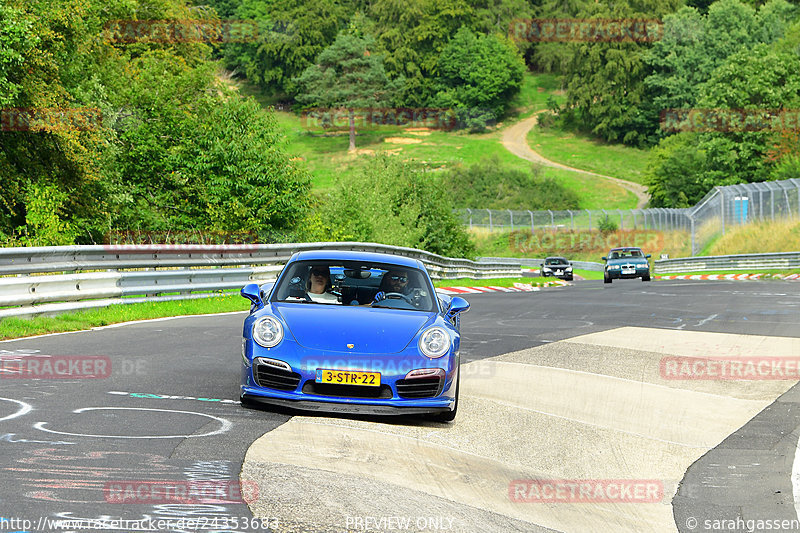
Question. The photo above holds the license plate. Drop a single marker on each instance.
(559, 272)
(348, 377)
(628, 271)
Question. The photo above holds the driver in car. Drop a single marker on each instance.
(395, 281)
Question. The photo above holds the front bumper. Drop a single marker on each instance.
(554, 274)
(349, 408)
(637, 273)
(305, 394)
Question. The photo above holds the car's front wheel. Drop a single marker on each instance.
(646, 277)
(606, 278)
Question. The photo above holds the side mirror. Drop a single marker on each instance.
(541, 265)
(647, 256)
(458, 305)
(252, 292)
(604, 258)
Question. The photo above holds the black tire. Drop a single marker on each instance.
(606, 278)
(449, 416)
(569, 278)
(646, 278)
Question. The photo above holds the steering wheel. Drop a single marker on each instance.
(398, 295)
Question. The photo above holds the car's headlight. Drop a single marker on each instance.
(267, 332)
(434, 342)
(546, 269)
(569, 268)
(614, 267)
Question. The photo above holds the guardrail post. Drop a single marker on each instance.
(531, 213)
(691, 226)
(511, 216)
(470, 217)
(490, 219)
(552, 220)
(571, 220)
(722, 209)
(590, 219)
(621, 222)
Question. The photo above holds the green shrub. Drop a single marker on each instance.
(606, 226)
(488, 185)
(44, 226)
(391, 202)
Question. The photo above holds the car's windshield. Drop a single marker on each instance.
(623, 254)
(555, 261)
(363, 283)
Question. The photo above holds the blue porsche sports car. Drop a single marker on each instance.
(360, 332)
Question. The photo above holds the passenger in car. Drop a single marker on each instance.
(319, 285)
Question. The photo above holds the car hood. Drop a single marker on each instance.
(328, 327)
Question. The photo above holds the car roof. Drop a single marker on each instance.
(556, 257)
(625, 248)
(348, 255)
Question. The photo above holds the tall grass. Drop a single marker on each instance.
(759, 237)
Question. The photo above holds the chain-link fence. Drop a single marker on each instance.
(734, 205)
(722, 207)
(507, 219)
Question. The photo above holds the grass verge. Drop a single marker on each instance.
(13, 327)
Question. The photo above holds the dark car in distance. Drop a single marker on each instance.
(558, 267)
(626, 263)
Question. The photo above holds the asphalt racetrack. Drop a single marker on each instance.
(583, 408)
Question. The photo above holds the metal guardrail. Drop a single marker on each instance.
(121, 272)
(783, 260)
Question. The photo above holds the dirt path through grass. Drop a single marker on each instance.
(515, 140)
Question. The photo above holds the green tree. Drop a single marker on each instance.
(675, 172)
(755, 79)
(478, 76)
(348, 75)
(394, 202)
(555, 56)
(291, 34)
(200, 157)
(605, 80)
(411, 34)
(677, 65)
